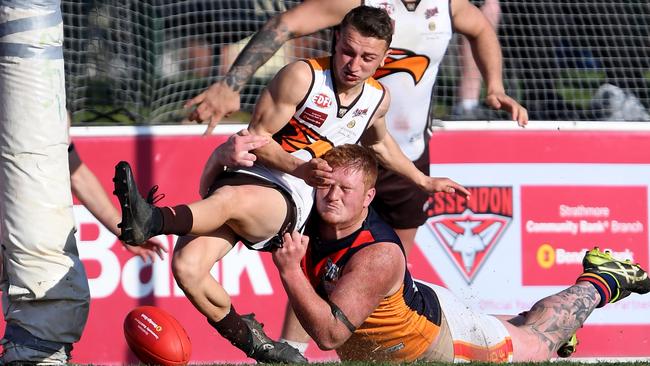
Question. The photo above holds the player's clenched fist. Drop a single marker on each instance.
(294, 247)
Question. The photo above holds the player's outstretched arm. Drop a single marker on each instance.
(391, 157)
(223, 98)
(468, 20)
(274, 109)
(87, 188)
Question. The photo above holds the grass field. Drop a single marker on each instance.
(550, 363)
(553, 363)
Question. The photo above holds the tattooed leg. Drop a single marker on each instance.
(555, 318)
(539, 332)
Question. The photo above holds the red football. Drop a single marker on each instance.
(156, 337)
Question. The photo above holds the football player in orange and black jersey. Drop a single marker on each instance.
(422, 32)
(350, 288)
(335, 99)
(423, 29)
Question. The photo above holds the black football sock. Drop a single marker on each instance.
(176, 220)
(233, 328)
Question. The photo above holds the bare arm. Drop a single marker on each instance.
(391, 157)
(87, 188)
(222, 98)
(468, 20)
(274, 109)
(372, 274)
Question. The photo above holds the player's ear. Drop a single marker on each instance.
(370, 194)
(383, 60)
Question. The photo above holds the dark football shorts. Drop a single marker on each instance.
(230, 178)
(400, 202)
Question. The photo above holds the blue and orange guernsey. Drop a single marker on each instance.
(404, 324)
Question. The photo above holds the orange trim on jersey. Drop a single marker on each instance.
(319, 148)
(374, 83)
(321, 63)
(501, 352)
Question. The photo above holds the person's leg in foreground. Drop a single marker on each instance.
(209, 229)
(537, 334)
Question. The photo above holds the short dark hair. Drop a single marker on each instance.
(356, 158)
(370, 22)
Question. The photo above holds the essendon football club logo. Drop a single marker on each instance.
(322, 100)
(469, 230)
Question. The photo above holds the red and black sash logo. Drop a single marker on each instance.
(469, 230)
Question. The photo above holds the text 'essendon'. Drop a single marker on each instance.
(494, 200)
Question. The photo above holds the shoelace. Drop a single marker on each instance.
(152, 198)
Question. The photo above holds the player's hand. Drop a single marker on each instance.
(214, 103)
(504, 102)
(317, 173)
(233, 153)
(434, 185)
(147, 250)
(294, 247)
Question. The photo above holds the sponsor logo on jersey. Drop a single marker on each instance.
(322, 100)
(360, 112)
(468, 231)
(400, 60)
(331, 274)
(431, 12)
(313, 116)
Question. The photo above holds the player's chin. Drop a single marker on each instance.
(329, 217)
